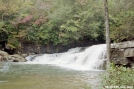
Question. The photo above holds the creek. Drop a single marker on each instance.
(78, 68)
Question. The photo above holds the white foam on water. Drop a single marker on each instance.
(91, 58)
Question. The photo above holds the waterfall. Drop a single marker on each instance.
(79, 58)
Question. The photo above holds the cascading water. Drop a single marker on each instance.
(89, 58)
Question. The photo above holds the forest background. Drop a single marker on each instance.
(63, 21)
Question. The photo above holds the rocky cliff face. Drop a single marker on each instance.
(51, 48)
(123, 53)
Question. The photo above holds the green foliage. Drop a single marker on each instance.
(118, 76)
(79, 20)
(3, 33)
(69, 31)
(13, 43)
(121, 21)
(65, 21)
(87, 87)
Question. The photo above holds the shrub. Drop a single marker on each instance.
(118, 78)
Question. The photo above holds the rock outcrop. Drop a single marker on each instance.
(123, 53)
(16, 58)
(4, 56)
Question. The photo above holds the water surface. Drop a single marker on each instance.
(40, 76)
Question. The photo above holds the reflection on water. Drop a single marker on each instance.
(29, 76)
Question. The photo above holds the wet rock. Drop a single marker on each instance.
(24, 55)
(16, 58)
(3, 56)
(15, 61)
(2, 53)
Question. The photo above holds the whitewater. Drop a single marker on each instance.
(79, 58)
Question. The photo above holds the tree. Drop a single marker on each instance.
(121, 20)
(107, 32)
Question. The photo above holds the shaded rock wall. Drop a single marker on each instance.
(50, 48)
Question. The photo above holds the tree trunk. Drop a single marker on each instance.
(107, 32)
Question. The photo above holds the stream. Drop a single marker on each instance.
(78, 68)
(39, 76)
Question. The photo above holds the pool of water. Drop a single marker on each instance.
(39, 76)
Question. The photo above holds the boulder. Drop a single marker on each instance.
(3, 53)
(3, 56)
(24, 55)
(16, 58)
